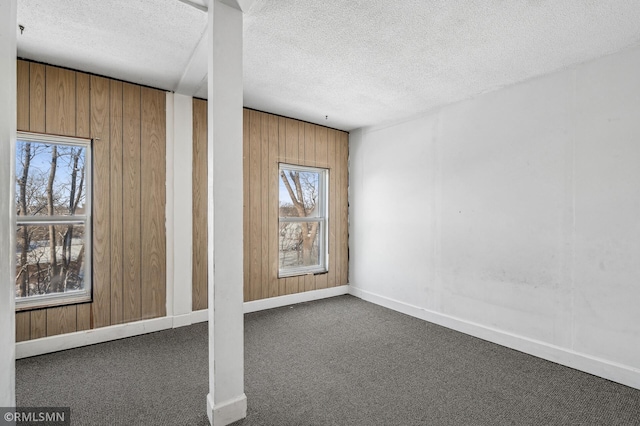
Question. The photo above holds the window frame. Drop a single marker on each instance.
(85, 295)
(322, 218)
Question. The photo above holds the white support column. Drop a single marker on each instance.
(182, 208)
(7, 208)
(226, 401)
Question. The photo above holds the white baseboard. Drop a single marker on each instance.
(193, 317)
(181, 320)
(227, 412)
(78, 339)
(199, 316)
(619, 373)
(292, 299)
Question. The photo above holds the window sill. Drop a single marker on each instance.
(52, 302)
(292, 274)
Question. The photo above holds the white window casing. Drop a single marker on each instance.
(37, 250)
(298, 255)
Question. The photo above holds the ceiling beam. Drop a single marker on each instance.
(198, 4)
(194, 75)
(203, 5)
(241, 5)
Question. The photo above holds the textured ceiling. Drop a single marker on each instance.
(358, 62)
(141, 41)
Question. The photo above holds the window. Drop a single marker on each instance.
(53, 205)
(303, 220)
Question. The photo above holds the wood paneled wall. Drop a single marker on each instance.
(199, 258)
(268, 140)
(127, 125)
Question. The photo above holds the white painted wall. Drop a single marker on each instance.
(514, 216)
(7, 212)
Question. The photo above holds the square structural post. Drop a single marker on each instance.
(226, 401)
(8, 116)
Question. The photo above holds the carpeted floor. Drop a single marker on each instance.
(339, 361)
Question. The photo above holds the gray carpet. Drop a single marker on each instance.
(340, 361)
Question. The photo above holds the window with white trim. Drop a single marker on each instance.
(303, 221)
(53, 206)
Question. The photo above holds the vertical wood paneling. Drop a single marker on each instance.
(68, 103)
(153, 180)
(269, 140)
(264, 204)
(83, 101)
(246, 200)
(60, 105)
(23, 319)
(255, 213)
(199, 265)
(83, 130)
(321, 145)
(308, 158)
(343, 238)
(22, 111)
(23, 326)
(273, 207)
(83, 317)
(115, 126)
(60, 119)
(304, 281)
(37, 121)
(282, 150)
(320, 160)
(292, 284)
(38, 323)
(301, 142)
(338, 210)
(333, 172)
(292, 141)
(100, 90)
(310, 145)
(61, 320)
(131, 190)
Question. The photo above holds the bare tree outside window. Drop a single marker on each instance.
(302, 211)
(53, 216)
